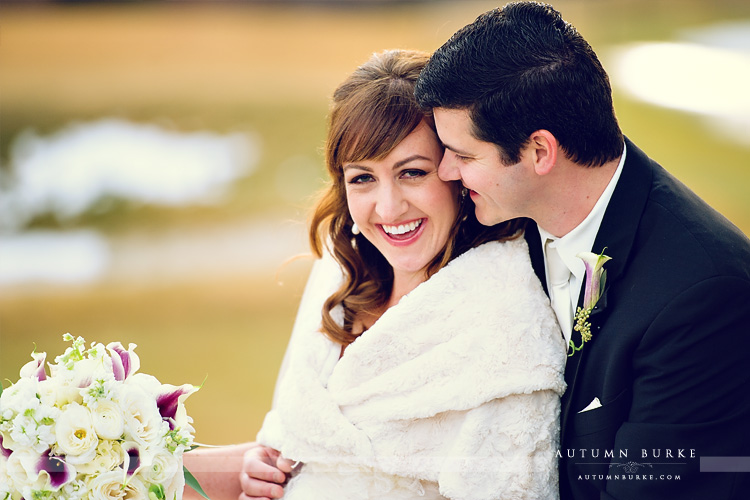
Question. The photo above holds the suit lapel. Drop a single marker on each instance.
(616, 234)
(623, 214)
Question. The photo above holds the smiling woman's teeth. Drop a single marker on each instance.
(402, 229)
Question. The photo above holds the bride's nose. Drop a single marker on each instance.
(390, 204)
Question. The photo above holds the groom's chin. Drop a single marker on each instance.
(489, 218)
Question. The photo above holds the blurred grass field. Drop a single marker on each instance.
(266, 69)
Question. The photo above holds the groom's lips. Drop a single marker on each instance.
(469, 190)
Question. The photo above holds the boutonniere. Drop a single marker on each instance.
(596, 277)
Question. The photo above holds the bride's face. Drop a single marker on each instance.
(401, 205)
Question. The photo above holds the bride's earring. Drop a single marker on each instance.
(355, 232)
(462, 202)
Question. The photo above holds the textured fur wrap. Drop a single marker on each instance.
(454, 392)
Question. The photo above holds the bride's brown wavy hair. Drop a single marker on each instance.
(371, 112)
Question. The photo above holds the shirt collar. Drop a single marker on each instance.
(581, 238)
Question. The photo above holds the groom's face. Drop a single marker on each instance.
(500, 192)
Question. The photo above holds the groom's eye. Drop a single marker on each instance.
(458, 156)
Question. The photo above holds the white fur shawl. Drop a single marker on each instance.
(456, 388)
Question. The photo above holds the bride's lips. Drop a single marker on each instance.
(406, 238)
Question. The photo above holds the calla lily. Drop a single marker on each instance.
(35, 368)
(132, 456)
(60, 473)
(169, 401)
(596, 277)
(124, 363)
(3, 450)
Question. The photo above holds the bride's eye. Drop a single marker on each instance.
(413, 173)
(360, 179)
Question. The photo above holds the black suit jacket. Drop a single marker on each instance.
(670, 355)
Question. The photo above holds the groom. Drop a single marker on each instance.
(658, 399)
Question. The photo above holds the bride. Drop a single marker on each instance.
(425, 360)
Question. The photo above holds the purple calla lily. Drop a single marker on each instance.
(35, 367)
(595, 280)
(5, 451)
(131, 459)
(124, 363)
(60, 473)
(595, 277)
(168, 402)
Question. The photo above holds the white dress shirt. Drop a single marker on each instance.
(580, 239)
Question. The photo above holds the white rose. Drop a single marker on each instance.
(114, 486)
(76, 437)
(108, 419)
(105, 486)
(162, 469)
(136, 489)
(143, 423)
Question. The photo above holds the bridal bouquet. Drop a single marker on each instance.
(92, 429)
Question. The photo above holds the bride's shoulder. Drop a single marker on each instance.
(500, 269)
(497, 258)
(513, 247)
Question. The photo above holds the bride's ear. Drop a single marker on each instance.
(543, 147)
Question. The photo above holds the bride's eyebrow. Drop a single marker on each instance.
(398, 164)
(352, 166)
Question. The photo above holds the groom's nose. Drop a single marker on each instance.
(448, 169)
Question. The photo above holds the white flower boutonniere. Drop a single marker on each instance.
(596, 277)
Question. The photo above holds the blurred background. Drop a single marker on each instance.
(158, 160)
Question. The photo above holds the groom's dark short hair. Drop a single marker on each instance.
(520, 69)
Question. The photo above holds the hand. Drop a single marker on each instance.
(264, 472)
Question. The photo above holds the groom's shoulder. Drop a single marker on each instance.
(692, 228)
